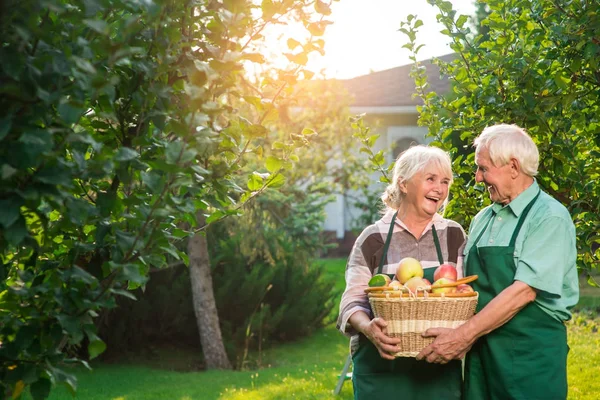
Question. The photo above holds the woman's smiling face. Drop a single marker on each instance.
(427, 190)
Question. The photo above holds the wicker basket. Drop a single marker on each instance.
(408, 315)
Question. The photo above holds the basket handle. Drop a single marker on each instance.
(466, 279)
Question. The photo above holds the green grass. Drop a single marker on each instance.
(307, 369)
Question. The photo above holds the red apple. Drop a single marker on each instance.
(443, 281)
(445, 271)
(464, 288)
(414, 283)
(427, 281)
(407, 268)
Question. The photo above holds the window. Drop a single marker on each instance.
(403, 144)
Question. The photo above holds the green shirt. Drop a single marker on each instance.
(545, 250)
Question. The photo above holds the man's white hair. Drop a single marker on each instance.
(504, 141)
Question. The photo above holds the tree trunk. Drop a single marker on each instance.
(204, 301)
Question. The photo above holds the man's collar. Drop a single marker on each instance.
(521, 201)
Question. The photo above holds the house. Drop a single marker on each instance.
(386, 97)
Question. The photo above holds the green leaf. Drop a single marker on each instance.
(124, 293)
(130, 272)
(69, 113)
(153, 181)
(255, 181)
(460, 22)
(16, 232)
(126, 240)
(10, 210)
(273, 164)
(54, 175)
(70, 324)
(174, 152)
(7, 171)
(97, 25)
(126, 154)
(276, 181)
(5, 124)
(214, 216)
(95, 348)
(40, 389)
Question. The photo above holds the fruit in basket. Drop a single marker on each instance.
(379, 280)
(443, 281)
(464, 288)
(395, 285)
(427, 281)
(445, 271)
(408, 268)
(416, 284)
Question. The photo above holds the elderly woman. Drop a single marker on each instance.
(422, 178)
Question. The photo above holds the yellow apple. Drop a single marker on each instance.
(408, 268)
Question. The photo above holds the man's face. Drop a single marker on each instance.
(497, 179)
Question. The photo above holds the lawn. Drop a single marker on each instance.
(307, 369)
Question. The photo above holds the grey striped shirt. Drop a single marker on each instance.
(368, 250)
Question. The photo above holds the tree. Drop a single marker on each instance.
(117, 130)
(535, 64)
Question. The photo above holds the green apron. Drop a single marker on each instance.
(525, 358)
(403, 378)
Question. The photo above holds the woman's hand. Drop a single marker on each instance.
(375, 331)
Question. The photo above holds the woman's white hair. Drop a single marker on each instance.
(504, 141)
(409, 163)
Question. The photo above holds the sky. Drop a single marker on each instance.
(365, 36)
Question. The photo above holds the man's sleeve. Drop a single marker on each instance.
(548, 251)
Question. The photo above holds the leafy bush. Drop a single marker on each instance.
(266, 287)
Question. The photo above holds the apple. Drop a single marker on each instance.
(427, 281)
(408, 268)
(464, 288)
(445, 271)
(414, 283)
(443, 281)
(395, 285)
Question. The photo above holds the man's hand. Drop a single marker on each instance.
(449, 345)
(375, 331)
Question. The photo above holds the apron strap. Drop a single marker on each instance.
(513, 240)
(388, 238)
(484, 228)
(386, 246)
(437, 244)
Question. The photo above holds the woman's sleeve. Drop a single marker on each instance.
(354, 298)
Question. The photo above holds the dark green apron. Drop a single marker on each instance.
(525, 358)
(403, 378)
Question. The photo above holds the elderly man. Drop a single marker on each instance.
(522, 247)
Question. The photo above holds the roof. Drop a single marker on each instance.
(394, 87)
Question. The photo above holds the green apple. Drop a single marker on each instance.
(443, 281)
